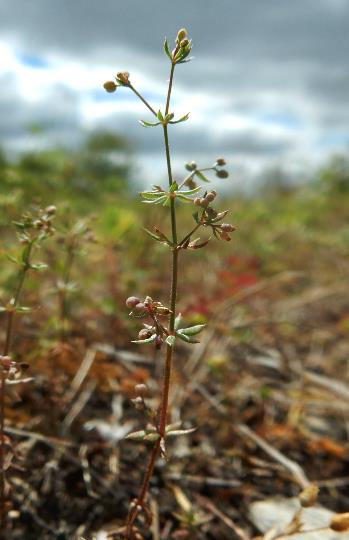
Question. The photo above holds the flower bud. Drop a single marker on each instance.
(123, 77)
(132, 301)
(184, 42)
(222, 174)
(308, 496)
(140, 307)
(197, 201)
(210, 196)
(227, 227)
(182, 34)
(144, 334)
(110, 86)
(191, 166)
(50, 210)
(141, 390)
(340, 522)
(220, 162)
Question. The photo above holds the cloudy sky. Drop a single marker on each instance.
(268, 86)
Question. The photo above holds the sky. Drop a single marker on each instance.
(267, 88)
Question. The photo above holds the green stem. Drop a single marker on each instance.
(7, 346)
(142, 99)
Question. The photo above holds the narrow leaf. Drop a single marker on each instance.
(144, 341)
(193, 330)
(178, 321)
(177, 432)
(170, 340)
(191, 191)
(182, 119)
(148, 124)
(136, 435)
(166, 49)
(202, 176)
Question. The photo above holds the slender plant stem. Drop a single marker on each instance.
(7, 346)
(142, 99)
(169, 350)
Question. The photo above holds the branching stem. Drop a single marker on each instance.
(169, 350)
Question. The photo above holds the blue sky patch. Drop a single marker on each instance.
(33, 61)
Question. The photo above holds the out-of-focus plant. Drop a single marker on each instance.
(75, 234)
(155, 330)
(32, 230)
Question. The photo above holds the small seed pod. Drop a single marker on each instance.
(191, 166)
(222, 174)
(145, 334)
(132, 301)
(140, 307)
(197, 201)
(210, 196)
(227, 227)
(123, 77)
(110, 86)
(51, 210)
(340, 522)
(220, 162)
(141, 390)
(308, 496)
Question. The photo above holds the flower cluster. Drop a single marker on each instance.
(36, 227)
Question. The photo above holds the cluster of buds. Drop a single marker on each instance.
(182, 49)
(146, 307)
(155, 333)
(221, 173)
(211, 218)
(122, 79)
(205, 201)
(36, 227)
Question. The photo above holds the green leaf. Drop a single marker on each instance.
(202, 176)
(151, 437)
(23, 309)
(185, 338)
(177, 432)
(13, 259)
(196, 217)
(178, 321)
(160, 116)
(151, 195)
(156, 201)
(182, 119)
(136, 435)
(167, 201)
(193, 330)
(152, 235)
(166, 49)
(170, 340)
(144, 341)
(149, 124)
(191, 191)
(174, 187)
(39, 266)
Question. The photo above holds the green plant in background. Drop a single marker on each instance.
(155, 330)
(32, 230)
(75, 234)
